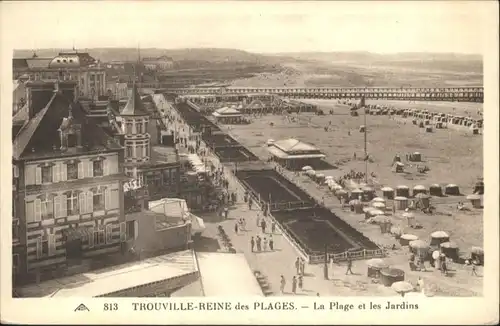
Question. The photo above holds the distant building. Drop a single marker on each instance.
(67, 185)
(160, 63)
(77, 66)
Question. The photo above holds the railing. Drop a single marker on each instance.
(354, 255)
(290, 205)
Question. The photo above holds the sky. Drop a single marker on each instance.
(262, 27)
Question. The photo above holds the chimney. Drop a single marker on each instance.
(38, 95)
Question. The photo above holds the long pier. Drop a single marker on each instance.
(449, 94)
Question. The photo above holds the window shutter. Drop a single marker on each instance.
(114, 199)
(30, 212)
(57, 206)
(81, 174)
(105, 168)
(55, 172)
(64, 205)
(38, 210)
(51, 244)
(91, 237)
(107, 199)
(90, 169)
(64, 172)
(90, 202)
(39, 248)
(82, 203)
(109, 233)
(123, 232)
(38, 176)
(29, 175)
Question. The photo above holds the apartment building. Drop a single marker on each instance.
(67, 185)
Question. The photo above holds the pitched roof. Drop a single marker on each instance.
(19, 63)
(134, 104)
(226, 110)
(41, 132)
(294, 145)
(38, 62)
(24, 136)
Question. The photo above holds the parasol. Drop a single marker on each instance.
(435, 254)
(408, 215)
(355, 202)
(378, 200)
(375, 212)
(320, 175)
(357, 191)
(310, 172)
(378, 205)
(307, 168)
(340, 192)
(439, 235)
(419, 187)
(328, 177)
(396, 230)
(379, 219)
(409, 237)
(449, 245)
(402, 187)
(418, 244)
(377, 263)
(477, 250)
(422, 195)
(402, 287)
(384, 189)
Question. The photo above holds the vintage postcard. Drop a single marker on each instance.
(250, 162)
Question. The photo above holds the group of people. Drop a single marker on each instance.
(298, 279)
(259, 244)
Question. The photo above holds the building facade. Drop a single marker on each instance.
(67, 188)
(160, 63)
(75, 66)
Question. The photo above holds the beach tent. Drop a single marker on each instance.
(398, 167)
(436, 190)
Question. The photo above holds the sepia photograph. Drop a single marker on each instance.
(253, 150)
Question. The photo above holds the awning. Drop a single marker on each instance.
(80, 233)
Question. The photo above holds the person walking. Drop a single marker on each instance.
(258, 220)
(301, 282)
(264, 244)
(244, 224)
(294, 285)
(349, 266)
(273, 227)
(263, 226)
(302, 266)
(236, 227)
(297, 265)
(226, 212)
(259, 243)
(474, 271)
(282, 284)
(252, 244)
(271, 243)
(250, 203)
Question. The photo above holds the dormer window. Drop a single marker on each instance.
(72, 140)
